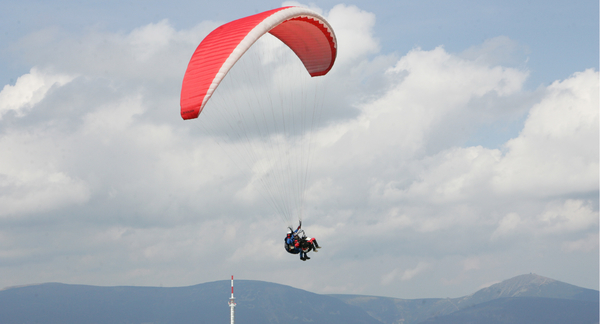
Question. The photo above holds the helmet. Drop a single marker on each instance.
(289, 231)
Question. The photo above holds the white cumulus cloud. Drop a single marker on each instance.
(29, 90)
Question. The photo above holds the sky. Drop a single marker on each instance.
(459, 147)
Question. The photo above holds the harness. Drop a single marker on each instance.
(290, 248)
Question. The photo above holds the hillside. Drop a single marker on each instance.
(258, 302)
(524, 297)
(530, 285)
(412, 311)
(524, 310)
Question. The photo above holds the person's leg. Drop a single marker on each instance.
(314, 242)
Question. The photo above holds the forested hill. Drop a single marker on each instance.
(529, 297)
(257, 302)
(490, 301)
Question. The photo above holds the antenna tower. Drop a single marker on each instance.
(232, 303)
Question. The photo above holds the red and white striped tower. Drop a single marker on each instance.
(232, 303)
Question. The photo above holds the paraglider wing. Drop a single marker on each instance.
(302, 30)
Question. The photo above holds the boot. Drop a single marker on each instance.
(316, 245)
(306, 258)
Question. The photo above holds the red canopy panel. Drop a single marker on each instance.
(304, 31)
(308, 38)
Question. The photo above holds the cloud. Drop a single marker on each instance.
(557, 150)
(509, 224)
(148, 54)
(570, 216)
(354, 31)
(26, 192)
(554, 154)
(30, 181)
(500, 50)
(562, 219)
(405, 275)
(586, 244)
(411, 273)
(472, 264)
(426, 89)
(29, 90)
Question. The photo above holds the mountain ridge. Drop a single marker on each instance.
(266, 302)
(388, 310)
(523, 310)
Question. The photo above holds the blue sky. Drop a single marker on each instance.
(460, 149)
(558, 37)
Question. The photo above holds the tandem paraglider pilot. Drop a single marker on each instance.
(296, 242)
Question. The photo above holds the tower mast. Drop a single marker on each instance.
(232, 303)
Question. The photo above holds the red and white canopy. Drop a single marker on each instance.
(304, 31)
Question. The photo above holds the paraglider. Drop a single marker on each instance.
(296, 242)
(302, 30)
(310, 37)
